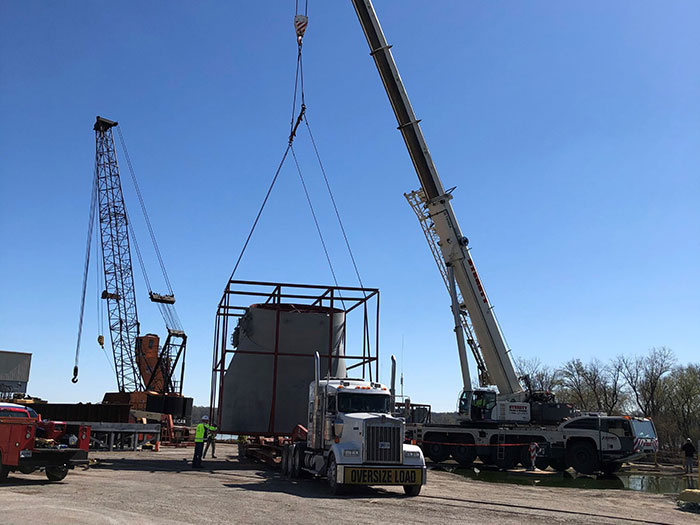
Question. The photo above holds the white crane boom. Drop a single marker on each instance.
(453, 244)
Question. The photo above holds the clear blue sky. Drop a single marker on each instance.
(571, 130)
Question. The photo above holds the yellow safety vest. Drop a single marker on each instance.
(200, 433)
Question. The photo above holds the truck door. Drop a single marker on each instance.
(620, 428)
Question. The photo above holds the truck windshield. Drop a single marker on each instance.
(643, 428)
(349, 403)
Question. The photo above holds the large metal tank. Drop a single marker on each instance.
(255, 376)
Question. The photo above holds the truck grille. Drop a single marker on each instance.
(383, 443)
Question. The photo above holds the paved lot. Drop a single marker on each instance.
(149, 487)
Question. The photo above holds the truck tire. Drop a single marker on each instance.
(4, 471)
(55, 473)
(465, 455)
(332, 476)
(284, 462)
(298, 460)
(508, 459)
(295, 461)
(583, 457)
(412, 490)
(435, 451)
(24, 469)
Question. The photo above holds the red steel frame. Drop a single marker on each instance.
(340, 298)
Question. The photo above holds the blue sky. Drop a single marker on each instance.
(570, 130)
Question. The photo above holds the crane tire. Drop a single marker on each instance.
(464, 454)
(583, 457)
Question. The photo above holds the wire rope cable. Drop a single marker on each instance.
(86, 269)
(335, 206)
(145, 213)
(313, 214)
(262, 207)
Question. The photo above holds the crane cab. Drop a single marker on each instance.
(482, 404)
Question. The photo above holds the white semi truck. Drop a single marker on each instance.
(497, 425)
(352, 438)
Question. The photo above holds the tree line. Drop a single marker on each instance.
(652, 385)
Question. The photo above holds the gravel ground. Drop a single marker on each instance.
(161, 487)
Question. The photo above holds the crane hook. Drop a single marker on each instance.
(300, 23)
(75, 375)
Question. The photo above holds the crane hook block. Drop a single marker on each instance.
(75, 374)
(300, 23)
(101, 340)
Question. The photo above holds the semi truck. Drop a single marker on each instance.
(351, 437)
(501, 420)
(28, 444)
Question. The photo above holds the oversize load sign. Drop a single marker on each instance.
(383, 476)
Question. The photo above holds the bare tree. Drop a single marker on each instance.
(644, 376)
(683, 395)
(541, 377)
(574, 385)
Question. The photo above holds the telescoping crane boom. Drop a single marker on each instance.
(441, 223)
(526, 426)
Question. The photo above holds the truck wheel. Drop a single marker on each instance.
(298, 460)
(293, 452)
(435, 451)
(412, 490)
(508, 459)
(332, 475)
(4, 471)
(464, 455)
(56, 473)
(583, 457)
(284, 463)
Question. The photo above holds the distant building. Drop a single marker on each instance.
(14, 372)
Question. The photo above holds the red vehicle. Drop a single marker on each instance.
(23, 450)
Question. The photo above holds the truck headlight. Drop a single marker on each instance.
(412, 454)
(351, 453)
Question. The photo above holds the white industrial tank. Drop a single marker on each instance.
(266, 384)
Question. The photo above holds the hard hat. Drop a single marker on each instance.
(205, 418)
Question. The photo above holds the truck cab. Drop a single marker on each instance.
(353, 439)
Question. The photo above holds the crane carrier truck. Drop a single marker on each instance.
(497, 425)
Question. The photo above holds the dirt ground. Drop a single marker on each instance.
(161, 487)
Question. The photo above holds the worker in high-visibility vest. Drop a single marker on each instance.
(200, 436)
(210, 441)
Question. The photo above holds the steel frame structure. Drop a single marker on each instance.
(116, 255)
(345, 299)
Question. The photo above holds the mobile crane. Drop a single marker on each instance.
(498, 427)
